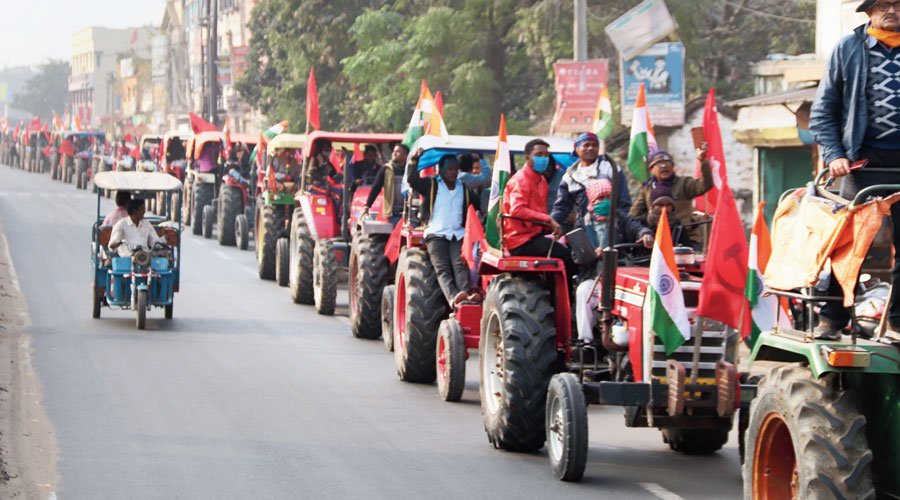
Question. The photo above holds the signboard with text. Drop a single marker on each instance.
(641, 27)
(578, 86)
(661, 70)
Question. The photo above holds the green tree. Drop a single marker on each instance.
(47, 91)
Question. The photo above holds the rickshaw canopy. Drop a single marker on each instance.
(136, 181)
(436, 147)
(349, 139)
(285, 141)
(249, 139)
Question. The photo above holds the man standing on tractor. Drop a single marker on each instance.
(527, 223)
(591, 164)
(856, 117)
(389, 178)
(443, 211)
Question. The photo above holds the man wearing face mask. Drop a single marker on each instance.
(524, 202)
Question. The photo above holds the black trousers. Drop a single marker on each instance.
(539, 246)
(853, 183)
(446, 257)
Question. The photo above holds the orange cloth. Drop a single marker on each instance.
(889, 38)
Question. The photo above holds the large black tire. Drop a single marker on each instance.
(282, 261)
(369, 269)
(175, 208)
(419, 307)
(186, 198)
(268, 230)
(201, 197)
(567, 428)
(231, 204)
(696, 441)
(387, 317)
(241, 232)
(97, 303)
(325, 278)
(209, 220)
(819, 425)
(517, 358)
(141, 313)
(450, 359)
(301, 262)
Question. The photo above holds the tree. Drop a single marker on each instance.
(47, 91)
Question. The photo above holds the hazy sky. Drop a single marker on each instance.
(34, 30)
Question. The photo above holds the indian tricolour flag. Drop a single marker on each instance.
(603, 117)
(668, 317)
(275, 130)
(763, 309)
(426, 119)
(643, 140)
(502, 171)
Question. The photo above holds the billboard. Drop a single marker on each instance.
(641, 27)
(661, 70)
(578, 86)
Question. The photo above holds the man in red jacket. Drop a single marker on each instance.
(525, 204)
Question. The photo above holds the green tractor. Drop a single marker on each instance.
(825, 422)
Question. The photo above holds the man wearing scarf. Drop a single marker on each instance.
(856, 116)
(572, 194)
(388, 179)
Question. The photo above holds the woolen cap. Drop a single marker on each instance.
(659, 156)
(866, 5)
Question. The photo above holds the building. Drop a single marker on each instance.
(95, 54)
(172, 67)
(234, 42)
(12, 80)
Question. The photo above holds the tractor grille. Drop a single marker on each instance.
(714, 346)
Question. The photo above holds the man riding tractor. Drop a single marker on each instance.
(80, 170)
(323, 226)
(201, 182)
(236, 193)
(173, 160)
(273, 204)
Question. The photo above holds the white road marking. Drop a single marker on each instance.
(4, 194)
(660, 492)
(223, 255)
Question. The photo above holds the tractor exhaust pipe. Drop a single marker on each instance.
(608, 272)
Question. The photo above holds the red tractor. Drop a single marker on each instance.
(173, 160)
(236, 190)
(201, 181)
(320, 231)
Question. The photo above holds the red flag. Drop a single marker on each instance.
(312, 102)
(35, 125)
(474, 235)
(200, 125)
(392, 247)
(337, 159)
(439, 102)
(226, 132)
(66, 148)
(715, 155)
(46, 151)
(722, 291)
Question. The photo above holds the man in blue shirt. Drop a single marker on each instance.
(856, 116)
(443, 212)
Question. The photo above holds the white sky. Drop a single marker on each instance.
(32, 31)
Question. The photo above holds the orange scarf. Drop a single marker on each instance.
(889, 38)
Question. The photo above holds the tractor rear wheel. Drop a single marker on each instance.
(201, 197)
(368, 275)
(387, 317)
(268, 230)
(209, 219)
(325, 278)
(231, 204)
(241, 232)
(282, 261)
(419, 307)
(82, 181)
(450, 359)
(518, 356)
(806, 439)
(695, 441)
(567, 428)
(301, 261)
(175, 208)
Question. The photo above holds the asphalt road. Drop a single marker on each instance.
(246, 395)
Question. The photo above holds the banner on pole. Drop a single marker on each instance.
(641, 27)
(661, 70)
(578, 87)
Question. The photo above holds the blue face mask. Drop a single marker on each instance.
(540, 163)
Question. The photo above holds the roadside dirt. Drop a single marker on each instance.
(28, 450)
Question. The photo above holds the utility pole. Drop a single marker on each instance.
(213, 57)
(580, 33)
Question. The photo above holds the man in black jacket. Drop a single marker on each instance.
(443, 212)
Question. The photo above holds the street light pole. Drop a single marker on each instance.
(580, 33)
(213, 56)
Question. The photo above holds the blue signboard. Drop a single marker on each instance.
(661, 69)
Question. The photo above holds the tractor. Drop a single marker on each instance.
(825, 422)
(273, 206)
(173, 160)
(201, 182)
(78, 169)
(320, 234)
(429, 339)
(235, 195)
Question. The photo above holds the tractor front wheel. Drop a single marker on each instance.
(268, 230)
(368, 275)
(450, 358)
(325, 278)
(806, 439)
(387, 317)
(518, 356)
(419, 307)
(282, 261)
(301, 261)
(241, 232)
(567, 428)
(201, 197)
(209, 219)
(231, 204)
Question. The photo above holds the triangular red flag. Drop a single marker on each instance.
(715, 155)
(66, 148)
(312, 102)
(392, 247)
(439, 102)
(725, 276)
(200, 125)
(474, 235)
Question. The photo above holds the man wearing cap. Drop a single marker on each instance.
(664, 182)
(591, 164)
(856, 116)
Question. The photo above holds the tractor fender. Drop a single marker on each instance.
(794, 348)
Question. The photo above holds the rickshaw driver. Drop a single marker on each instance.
(855, 117)
(133, 231)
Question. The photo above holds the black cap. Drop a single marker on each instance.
(866, 5)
